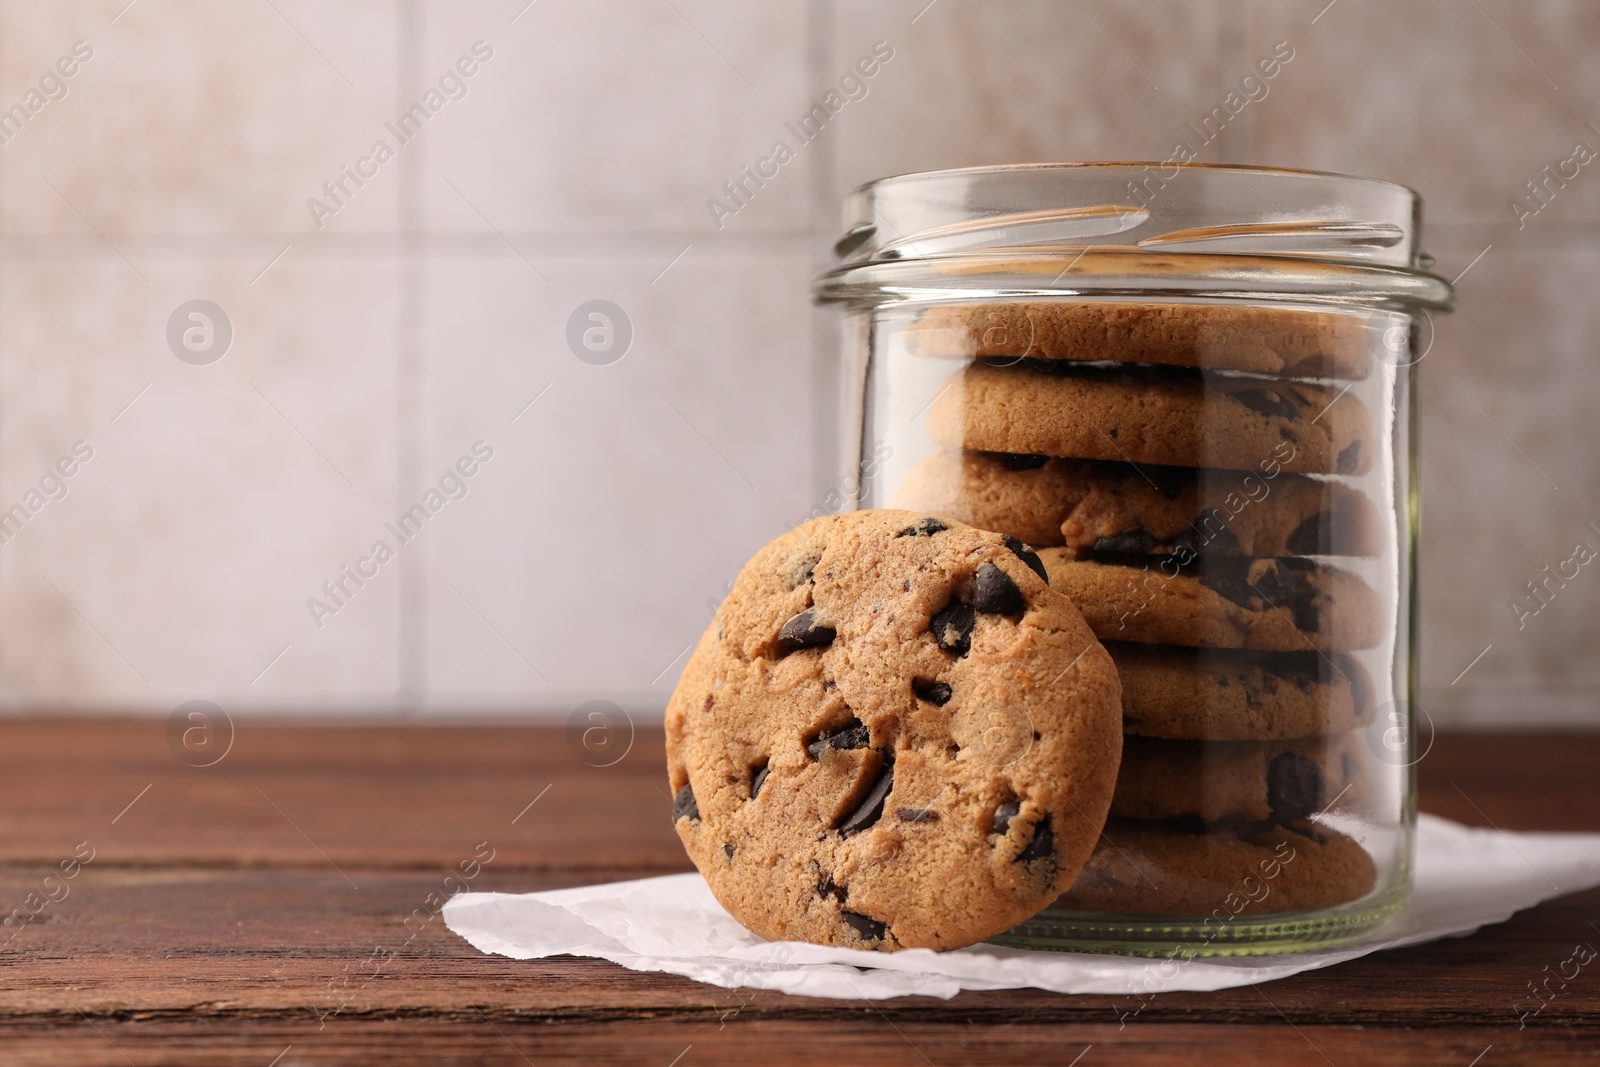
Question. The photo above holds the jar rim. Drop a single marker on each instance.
(1198, 220)
(1135, 163)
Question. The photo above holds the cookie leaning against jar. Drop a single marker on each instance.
(894, 734)
(1087, 505)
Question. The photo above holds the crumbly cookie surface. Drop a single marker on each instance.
(1098, 506)
(1282, 605)
(893, 734)
(1235, 695)
(1153, 415)
(1162, 868)
(1286, 341)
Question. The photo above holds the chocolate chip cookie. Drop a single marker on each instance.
(1240, 781)
(1286, 341)
(1177, 868)
(1282, 605)
(1096, 506)
(893, 734)
(1153, 415)
(1237, 695)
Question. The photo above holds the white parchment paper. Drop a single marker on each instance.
(1465, 878)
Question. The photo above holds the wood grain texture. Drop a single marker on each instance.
(262, 904)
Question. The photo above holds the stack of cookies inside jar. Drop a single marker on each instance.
(1205, 482)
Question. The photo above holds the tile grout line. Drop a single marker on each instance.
(412, 676)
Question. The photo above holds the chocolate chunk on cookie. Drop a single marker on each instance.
(1237, 695)
(1140, 415)
(1286, 341)
(1097, 506)
(1176, 868)
(858, 780)
(1240, 781)
(804, 631)
(1282, 605)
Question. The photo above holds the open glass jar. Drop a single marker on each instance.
(1191, 388)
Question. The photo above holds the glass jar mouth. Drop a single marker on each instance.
(1210, 229)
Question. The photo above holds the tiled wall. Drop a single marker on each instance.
(377, 339)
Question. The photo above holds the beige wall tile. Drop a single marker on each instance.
(197, 116)
(592, 140)
(216, 502)
(1509, 479)
(1431, 94)
(623, 500)
(616, 117)
(973, 83)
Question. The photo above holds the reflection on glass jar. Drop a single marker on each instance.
(1200, 412)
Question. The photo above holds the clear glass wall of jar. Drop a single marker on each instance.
(1192, 389)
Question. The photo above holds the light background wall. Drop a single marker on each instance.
(372, 351)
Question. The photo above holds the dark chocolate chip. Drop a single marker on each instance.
(1275, 584)
(1043, 844)
(869, 929)
(935, 693)
(994, 593)
(1004, 814)
(1169, 481)
(1307, 538)
(1251, 583)
(1012, 461)
(1232, 584)
(923, 528)
(1350, 458)
(1267, 402)
(1294, 786)
(727, 849)
(952, 627)
(684, 804)
(759, 779)
(1306, 610)
(829, 888)
(916, 815)
(870, 810)
(803, 631)
(1137, 542)
(856, 735)
(1026, 555)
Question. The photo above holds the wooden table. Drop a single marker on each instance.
(279, 903)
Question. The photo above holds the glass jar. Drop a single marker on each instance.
(1191, 388)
